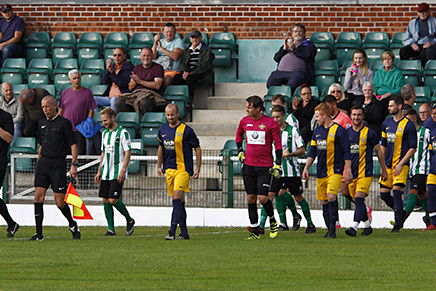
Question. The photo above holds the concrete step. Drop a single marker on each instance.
(213, 142)
(214, 129)
(226, 102)
(218, 116)
(240, 89)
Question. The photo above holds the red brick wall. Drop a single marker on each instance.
(246, 21)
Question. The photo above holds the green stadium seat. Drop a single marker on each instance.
(114, 40)
(37, 45)
(25, 145)
(49, 87)
(345, 45)
(137, 149)
(141, 40)
(177, 35)
(412, 71)
(60, 71)
(286, 91)
(430, 74)
(187, 42)
(38, 71)
(324, 42)
(130, 121)
(89, 46)
(397, 40)
(19, 87)
(98, 90)
(91, 72)
(150, 123)
(423, 94)
(328, 66)
(230, 145)
(326, 73)
(63, 46)
(223, 45)
(376, 40)
(374, 53)
(13, 70)
(96, 117)
(177, 92)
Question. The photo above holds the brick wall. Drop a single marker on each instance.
(246, 21)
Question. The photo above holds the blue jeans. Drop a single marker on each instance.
(106, 101)
(18, 129)
(13, 50)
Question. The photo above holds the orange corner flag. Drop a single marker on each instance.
(79, 208)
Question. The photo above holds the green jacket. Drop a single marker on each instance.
(388, 82)
(205, 60)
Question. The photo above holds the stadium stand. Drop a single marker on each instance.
(89, 46)
(12, 70)
(37, 45)
(63, 46)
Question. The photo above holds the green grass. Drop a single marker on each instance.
(217, 259)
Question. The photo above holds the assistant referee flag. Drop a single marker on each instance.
(79, 208)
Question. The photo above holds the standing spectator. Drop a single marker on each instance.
(296, 60)
(420, 41)
(11, 33)
(424, 112)
(168, 52)
(77, 104)
(337, 115)
(196, 63)
(408, 94)
(117, 76)
(304, 109)
(389, 79)
(344, 103)
(356, 75)
(10, 104)
(375, 110)
(32, 110)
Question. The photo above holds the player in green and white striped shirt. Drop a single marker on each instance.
(419, 169)
(112, 170)
(293, 146)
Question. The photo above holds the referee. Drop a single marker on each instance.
(56, 140)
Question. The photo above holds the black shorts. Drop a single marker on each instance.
(419, 183)
(51, 172)
(110, 189)
(256, 179)
(292, 184)
(3, 168)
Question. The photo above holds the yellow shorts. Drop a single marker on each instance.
(360, 185)
(172, 74)
(431, 179)
(177, 180)
(393, 180)
(327, 185)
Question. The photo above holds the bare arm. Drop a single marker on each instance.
(197, 162)
(381, 159)
(6, 136)
(16, 38)
(309, 163)
(74, 154)
(299, 152)
(122, 174)
(159, 161)
(173, 55)
(39, 152)
(98, 175)
(403, 161)
(156, 84)
(91, 113)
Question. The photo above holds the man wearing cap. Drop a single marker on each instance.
(420, 40)
(11, 32)
(196, 63)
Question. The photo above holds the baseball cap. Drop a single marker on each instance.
(6, 8)
(195, 33)
(423, 7)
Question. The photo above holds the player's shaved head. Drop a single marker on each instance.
(172, 114)
(49, 106)
(172, 106)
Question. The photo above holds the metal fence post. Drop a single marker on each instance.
(228, 173)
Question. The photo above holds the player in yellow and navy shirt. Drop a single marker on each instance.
(330, 146)
(398, 141)
(363, 141)
(431, 182)
(176, 141)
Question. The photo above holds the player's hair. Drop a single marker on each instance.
(256, 101)
(279, 97)
(299, 25)
(278, 108)
(73, 72)
(397, 99)
(387, 54)
(330, 99)
(407, 91)
(357, 107)
(170, 24)
(322, 107)
(109, 112)
(365, 60)
(413, 112)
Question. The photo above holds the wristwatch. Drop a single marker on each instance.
(75, 164)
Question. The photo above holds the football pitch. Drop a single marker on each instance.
(217, 259)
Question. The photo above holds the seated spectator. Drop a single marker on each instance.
(168, 52)
(77, 104)
(337, 115)
(11, 33)
(420, 41)
(430, 122)
(375, 110)
(196, 63)
(389, 79)
(296, 60)
(117, 75)
(304, 110)
(408, 94)
(344, 103)
(356, 75)
(10, 104)
(32, 110)
(424, 112)
(290, 119)
(145, 83)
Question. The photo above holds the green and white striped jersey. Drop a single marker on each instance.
(113, 144)
(420, 161)
(292, 120)
(291, 140)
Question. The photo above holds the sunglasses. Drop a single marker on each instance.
(336, 92)
(117, 55)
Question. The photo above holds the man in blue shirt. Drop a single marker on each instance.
(11, 33)
(430, 122)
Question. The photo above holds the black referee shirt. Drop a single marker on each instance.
(7, 124)
(56, 137)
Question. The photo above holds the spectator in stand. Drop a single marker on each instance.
(10, 104)
(420, 41)
(32, 110)
(375, 110)
(337, 115)
(389, 79)
(424, 112)
(196, 63)
(408, 94)
(296, 60)
(344, 103)
(11, 33)
(430, 122)
(356, 75)
(304, 110)
(168, 52)
(117, 76)
(77, 104)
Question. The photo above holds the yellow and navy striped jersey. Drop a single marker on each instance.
(331, 147)
(362, 144)
(177, 144)
(432, 148)
(398, 138)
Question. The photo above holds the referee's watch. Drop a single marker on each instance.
(75, 164)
